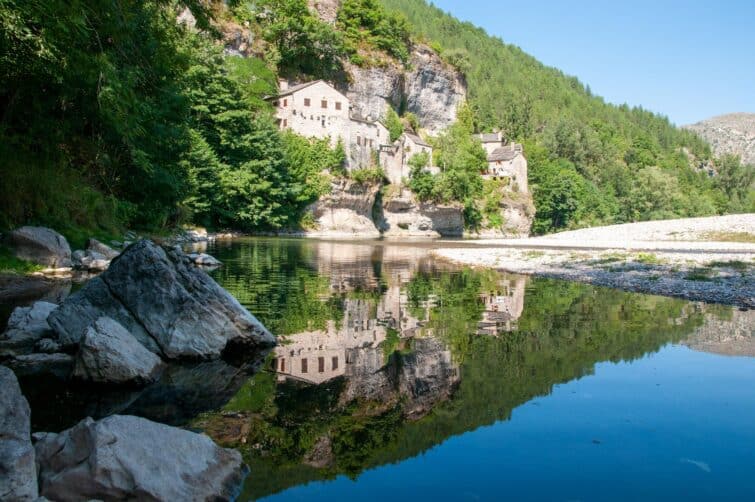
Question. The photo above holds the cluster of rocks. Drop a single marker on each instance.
(117, 458)
(149, 307)
(47, 247)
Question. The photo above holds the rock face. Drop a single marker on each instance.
(109, 354)
(432, 90)
(327, 10)
(26, 327)
(347, 210)
(404, 216)
(730, 134)
(130, 458)
(18, 473)
(167, 304)
(41, 245)
(517, 215)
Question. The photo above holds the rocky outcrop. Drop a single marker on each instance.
(327, 10)
(109, 354)
(346, 211)
(40, 245)
(404, 216)
(167, 304)
(131, 458)
(517, 215)
(26, 327)
(431, 89)
(730, 134)
(18, 474)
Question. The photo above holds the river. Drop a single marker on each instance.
(401, 377)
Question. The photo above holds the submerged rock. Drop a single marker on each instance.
(41, 245)
(109, 354)
(126, 457)
(18, 473)
(204, 260)
(166, 303)
(58, 365)
(26, 326)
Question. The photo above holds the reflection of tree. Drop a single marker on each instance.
(362, 419)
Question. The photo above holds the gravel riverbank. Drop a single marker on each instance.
(670, 258)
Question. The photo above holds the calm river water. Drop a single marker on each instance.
(402, 378)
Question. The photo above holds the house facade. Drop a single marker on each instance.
(505, 160)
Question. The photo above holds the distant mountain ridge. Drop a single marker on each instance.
(729, 134)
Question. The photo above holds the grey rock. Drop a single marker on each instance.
(87, 305)
(26, 326)
(116, 244)
(41, 245)
(95, 246)
(47, 346)
(126, 457)
(168, 304)
(77, 256)
(58, 365)
(204, 260)
(346, 210)
(109, 354)
(18, 473)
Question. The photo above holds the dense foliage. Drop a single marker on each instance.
(602, 163)
(366, 25)
(126, 117)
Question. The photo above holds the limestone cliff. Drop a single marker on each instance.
(428, 88)
(346, 211)
(730, 134)
(404, 216)
(517, 212)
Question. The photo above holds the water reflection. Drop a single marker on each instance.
(386, 353)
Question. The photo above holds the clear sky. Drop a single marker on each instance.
(689, 60)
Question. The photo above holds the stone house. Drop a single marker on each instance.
(314, 109)
(505, 161)
(317, 109)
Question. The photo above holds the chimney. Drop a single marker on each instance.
(282, 85)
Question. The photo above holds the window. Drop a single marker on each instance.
(307, 102)
(324, 103)
(370, 142)
(359, 141)
(285, 102)
(338, 105)
(334, 362)
(285, 122)
(321, 364)
(283, 364)
(304, 365)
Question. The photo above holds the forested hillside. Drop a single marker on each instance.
(114, 114)
(590, 162)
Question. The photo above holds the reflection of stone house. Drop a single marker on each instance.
(317, 109)
(503, 307)
(505, 161)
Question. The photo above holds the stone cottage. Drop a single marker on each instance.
(394, 158)
(505, 161)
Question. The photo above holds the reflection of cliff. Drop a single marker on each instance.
(732, 335)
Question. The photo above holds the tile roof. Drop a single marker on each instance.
(490, 137)
(502, 154)
(416, 139)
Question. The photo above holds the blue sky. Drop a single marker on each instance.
(688, 60)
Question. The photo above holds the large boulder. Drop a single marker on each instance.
(170, 306)
(95, 246)
(26, 326)
(109, 354)
(18, 473)
(131, 458)
(41, 245)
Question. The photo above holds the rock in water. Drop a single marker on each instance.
(204, 260)
(18, 473)
(126, 457)
(26, 326)
(41, 245)
(103, 249)
(109, 354)
(169, 305)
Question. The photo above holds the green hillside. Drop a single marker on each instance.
(590, 162)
